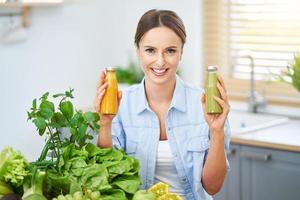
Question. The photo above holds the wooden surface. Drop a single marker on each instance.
(282, 137)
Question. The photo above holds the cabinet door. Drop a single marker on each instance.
(231, 186)
(269, 174)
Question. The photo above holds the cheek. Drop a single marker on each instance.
(174, 60)
(146, 59)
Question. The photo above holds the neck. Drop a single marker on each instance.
(161, 93)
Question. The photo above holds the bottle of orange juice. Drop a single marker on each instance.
(109, 103)
(212, 106)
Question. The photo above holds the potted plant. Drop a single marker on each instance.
(130, 74)
(291, 74)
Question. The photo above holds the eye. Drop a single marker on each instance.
(171, 51)
(149, 50)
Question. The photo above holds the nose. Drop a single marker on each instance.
(160, 61)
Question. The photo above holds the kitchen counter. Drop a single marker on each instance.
(282, 137)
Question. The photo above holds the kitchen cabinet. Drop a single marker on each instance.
(230, 189)
(261, 173)
(269, 174)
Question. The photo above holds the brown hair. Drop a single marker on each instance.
(158, 18)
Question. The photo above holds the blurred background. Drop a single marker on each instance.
(54, 45)
(66, 45)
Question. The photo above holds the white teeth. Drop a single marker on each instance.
(160, 71)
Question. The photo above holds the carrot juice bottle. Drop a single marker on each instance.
(212, 106)
(109, 103)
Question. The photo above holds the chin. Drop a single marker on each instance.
(160, 80)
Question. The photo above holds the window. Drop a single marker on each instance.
(265, 33)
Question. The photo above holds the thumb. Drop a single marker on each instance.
(203, 103)
(119, 96)
(203, 99)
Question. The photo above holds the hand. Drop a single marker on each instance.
(216, 121)
(101, 88)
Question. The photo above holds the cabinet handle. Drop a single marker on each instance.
(231, 152)
(256, 156)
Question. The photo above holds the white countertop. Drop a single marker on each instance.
(282, 137)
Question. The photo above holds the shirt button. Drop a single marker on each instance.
(184, 180)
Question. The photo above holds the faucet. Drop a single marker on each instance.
(254, 100)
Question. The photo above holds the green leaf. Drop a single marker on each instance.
(120, 168)
(94, 150)
(73, 131)
(40, 123)
(58, 95)
(46, 109)
(95, 177)
(33, 105)
(77, 119)
(12, 167)
(82, 129)
(69, 93)
(114, 155)
(58, 120)
(45, 96)
(29, 115)
(66, 107)
(57, 183)
(135, 166)
(113, 194)
(129, 184)
(91, 116)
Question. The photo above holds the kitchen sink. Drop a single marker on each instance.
(243, 122)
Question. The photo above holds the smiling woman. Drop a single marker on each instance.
(162, 121)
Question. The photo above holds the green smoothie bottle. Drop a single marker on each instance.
(212, 106)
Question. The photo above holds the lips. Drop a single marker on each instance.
(159, 71)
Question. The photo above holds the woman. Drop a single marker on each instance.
(162, 121)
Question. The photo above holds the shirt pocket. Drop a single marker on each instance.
(197, 151)
(131, 147)
(198, 144)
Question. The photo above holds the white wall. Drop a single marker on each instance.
(67, 46)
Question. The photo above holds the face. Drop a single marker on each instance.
(160, 51)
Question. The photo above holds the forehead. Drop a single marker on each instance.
(160, 37)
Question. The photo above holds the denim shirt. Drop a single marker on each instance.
(136, 129)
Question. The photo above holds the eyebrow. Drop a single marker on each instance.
(173, 47)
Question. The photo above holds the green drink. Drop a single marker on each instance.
(211, 90)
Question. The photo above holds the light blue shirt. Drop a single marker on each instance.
(136, 129)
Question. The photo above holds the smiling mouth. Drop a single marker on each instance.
(159, 72)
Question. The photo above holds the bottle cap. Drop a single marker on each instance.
(212, 68)
(110, 69)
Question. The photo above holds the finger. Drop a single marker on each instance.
(220, 79)
(98, 100)
(223, 104)
(101, 88)
(204, 108)
(222, 92)
(101, 78)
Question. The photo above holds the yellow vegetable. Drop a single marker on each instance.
(159, 189)
(169, 196)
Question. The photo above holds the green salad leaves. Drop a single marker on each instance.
(68, 164)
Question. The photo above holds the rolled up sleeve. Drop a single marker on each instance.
(118, 135)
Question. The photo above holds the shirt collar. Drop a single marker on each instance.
(178, 101)
(179, 97)
(142, 103)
